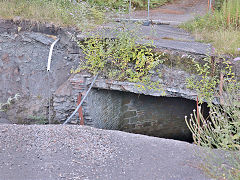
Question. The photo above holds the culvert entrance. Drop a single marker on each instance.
(23, 71)
(154, 116)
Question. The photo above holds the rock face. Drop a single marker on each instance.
(23, 61)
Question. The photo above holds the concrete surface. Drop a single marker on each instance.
(75, 152)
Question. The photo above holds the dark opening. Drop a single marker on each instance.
(154, 116)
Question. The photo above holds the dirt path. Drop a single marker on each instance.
(177, 12)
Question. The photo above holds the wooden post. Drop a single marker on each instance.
(80, 113)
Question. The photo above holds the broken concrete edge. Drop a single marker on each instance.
(72, 34)
(152, 21)
(82, 80)
(35, 26)
(48, 30)
(54, 30)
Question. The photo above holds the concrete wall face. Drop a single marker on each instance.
(155, 116)
(104, 107)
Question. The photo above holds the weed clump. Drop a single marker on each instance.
(219, 133)
(121, 58)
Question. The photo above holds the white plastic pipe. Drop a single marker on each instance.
(76, 110)
(50, 54)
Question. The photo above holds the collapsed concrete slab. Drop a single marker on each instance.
(111, 104)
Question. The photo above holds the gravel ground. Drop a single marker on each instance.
(37, 152)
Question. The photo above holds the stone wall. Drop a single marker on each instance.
(156, 116)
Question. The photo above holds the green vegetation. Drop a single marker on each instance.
(11, 100)
(121, 58)
(221, 28)
(38, 120)
(60, 12)
(218, 4)
(221, 130)
(125, 3)
(221, 133)
(206, 85)
(81, 14)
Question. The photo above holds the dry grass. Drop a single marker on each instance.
(59, 12)
(225, 41)
(221, 28)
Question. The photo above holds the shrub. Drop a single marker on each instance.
(218, 4)
(121, 58)
(221, 133)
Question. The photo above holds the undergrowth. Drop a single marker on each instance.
(221, 28)
(219, 133)
(81, 14)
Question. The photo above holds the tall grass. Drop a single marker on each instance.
(60, 12)
(221, 28)
(229, 15)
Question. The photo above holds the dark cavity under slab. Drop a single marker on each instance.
(154, 116)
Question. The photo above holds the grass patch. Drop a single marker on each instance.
(225, 41)
(221, 28)
(60, 12)
(81, 14)
(139, 4)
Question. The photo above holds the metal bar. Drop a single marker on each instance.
(148, 10)
(80, 113)
(129, 10)
(76, 110)
(210, 6)
(49, 99)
